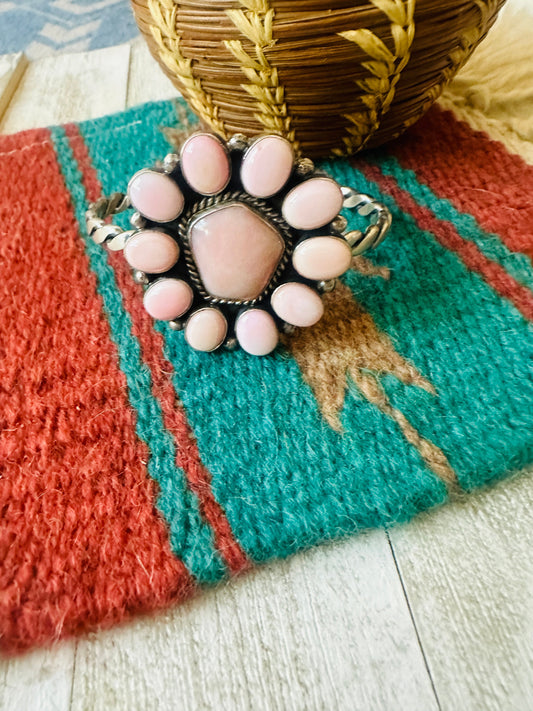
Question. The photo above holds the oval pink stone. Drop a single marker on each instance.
(205, 164)
(167, 299)
(322, 258)
(151, 251)
(256, 332)
(266, 166)
(297, 304)
(156, 196)
(313, 203)
(206, 329)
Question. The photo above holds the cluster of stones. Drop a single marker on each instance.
(236, 250)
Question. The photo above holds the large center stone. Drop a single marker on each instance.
(236, 251)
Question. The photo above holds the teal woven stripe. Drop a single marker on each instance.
(284, 477)
(190, 537)
(473, 345)
(286, 480)
(515, 263)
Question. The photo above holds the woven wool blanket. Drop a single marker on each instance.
(135, 470)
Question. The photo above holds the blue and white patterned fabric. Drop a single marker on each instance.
(45, 27)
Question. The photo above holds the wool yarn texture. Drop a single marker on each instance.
(135, 470)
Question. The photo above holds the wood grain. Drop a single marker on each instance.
(327, 629)
(146, 80)
(12, 67)
(468, 574)
(69, 87)
(39, 681)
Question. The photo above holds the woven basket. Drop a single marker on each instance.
(333, 77)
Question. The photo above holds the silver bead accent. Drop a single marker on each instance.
(176, 325)
(304, 166)
(231, 344)
(340, 223)
(238, 142)
(170, 161)
(137, 221)
(140, 277)
(327, 286)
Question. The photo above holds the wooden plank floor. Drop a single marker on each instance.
(435, 615)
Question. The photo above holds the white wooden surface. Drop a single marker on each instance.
(435, 615)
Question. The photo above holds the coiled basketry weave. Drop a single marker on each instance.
(332, 76)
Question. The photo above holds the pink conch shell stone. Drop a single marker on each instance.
(266, 166)
(205, 164)
(156, 196)
(166, 299)
(151, 251)
(322, 258)
(256, 332)
(206, 329)
(236, 252)
(297, 304)
(313, 203)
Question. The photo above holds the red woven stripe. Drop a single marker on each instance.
(475, 173)
(175, 420)
(447, 235)
(80, 540)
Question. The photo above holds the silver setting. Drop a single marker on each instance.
(106, 233)
(98, 212)
(93, 224)
(198, 311)
(369, 241)
(222, 144)
(354, 237)
(238, 142)
(380, 218)
(304, 166)
(288, 328)
(266, 213)
(170, 161)
(119, 242)
(157, 172)
(253, 142)
(101, 231)
(316, 176)
(230, 344)
(137, 221)
(301, 247)
(339, 224)
(327, 286)
(140, 277)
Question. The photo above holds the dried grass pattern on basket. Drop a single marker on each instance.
(255, 22)
(167, 39)
(385, 68)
